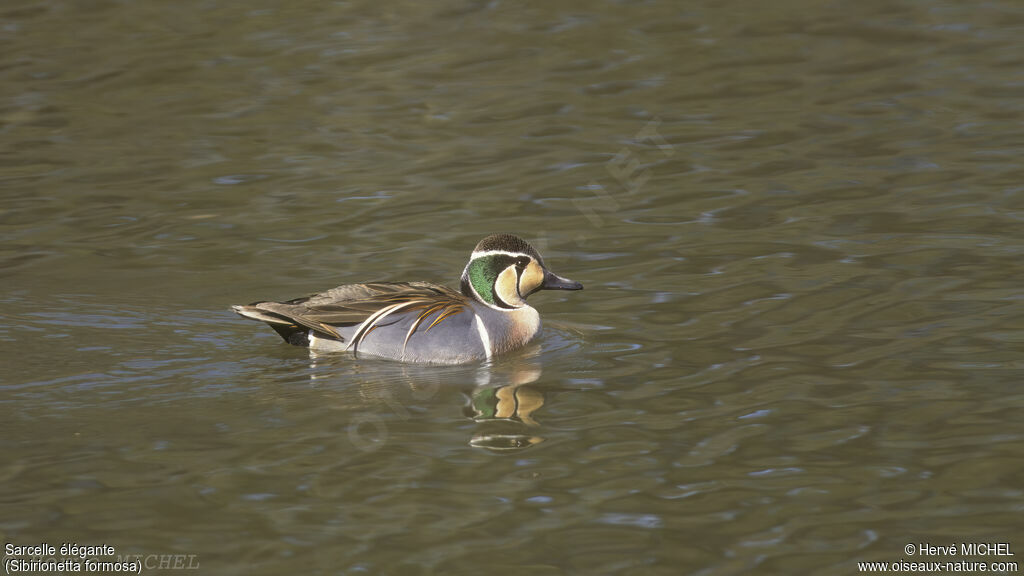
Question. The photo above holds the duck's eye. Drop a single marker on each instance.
(522, 262)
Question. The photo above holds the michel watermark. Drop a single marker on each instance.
(972, 557)
(629, 172)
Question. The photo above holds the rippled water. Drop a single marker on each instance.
(799, 227)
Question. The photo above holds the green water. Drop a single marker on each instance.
(800, 227)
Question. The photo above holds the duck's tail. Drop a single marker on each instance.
(287, 328)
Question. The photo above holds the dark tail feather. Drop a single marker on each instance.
(292, 333)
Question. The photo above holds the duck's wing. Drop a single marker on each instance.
(365, 306)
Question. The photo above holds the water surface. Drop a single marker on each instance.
(799, 227)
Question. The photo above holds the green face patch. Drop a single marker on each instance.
(482, 273)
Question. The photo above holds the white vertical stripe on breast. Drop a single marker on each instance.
(485, 338)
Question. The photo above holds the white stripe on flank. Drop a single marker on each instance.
(485, 338)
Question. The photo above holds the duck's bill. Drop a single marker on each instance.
(553, 281)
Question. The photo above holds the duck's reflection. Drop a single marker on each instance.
(514, 403)
(505, 411)
(498, 396)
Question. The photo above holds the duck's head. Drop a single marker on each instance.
(504, 269)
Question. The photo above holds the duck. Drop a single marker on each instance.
(423, 322)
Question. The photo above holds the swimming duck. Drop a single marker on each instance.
(421, 321)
